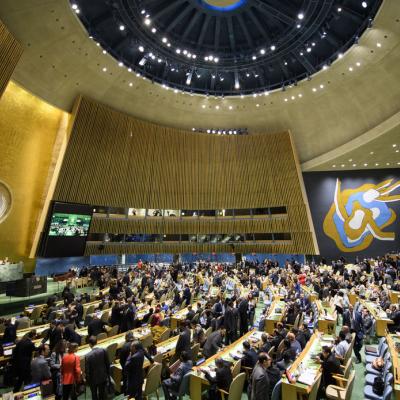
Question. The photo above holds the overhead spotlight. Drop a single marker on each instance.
(211, 57)
(262, 51)
(339, 9)
(184, 52)
(147, 21)
(213, 131)
(273, 47)
(230, 107)
(314, 89)
(254, 94)
(254, 58)
(321, 86)
(164, 40)
(208, 131)
(216, 59)
(74, 7)
(365, 165)
(193, 129)
(130, 84)
(378, 45)
(141, 49)
(298, 26)
(120, 64)
(358, 64)
(300, 16)
(340, 55)
(104, 69)
(178, 51)
(143, 12)
(324, 67)
(122, 27)
(175, 90)
(350, 69)
(286, 99)
(266, 93)
(309, 49)
(104, 52)
(204, 106)
(153, 30)
(300, 95)
(364, 4)
(217, 107)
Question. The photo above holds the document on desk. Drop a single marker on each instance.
(308, 378)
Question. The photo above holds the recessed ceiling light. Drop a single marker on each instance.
(300, 95)
(350, 69)
(141, 49)
(398, 163)
(308, 49)
(334, 166)
(104, 69)
(164, 40)
(339, 9)
(321, 86)
(378, 45)
(203, 106)
(153, 30)
(342, 165)
(262, 51)
(217, 107)
(397, 151)
(371, 152)
(230, 107)
(364, 4)
(354, 165)
(254, 58)
(314, 89)
(293, 97)
(273, 47)
(120, 64)
(257, 105)
(130, 84)
(178, 51)
(300, 16)
(365, 164)
(358, 64)
(122, 27)
(147, 21)
(74, 6)
(376, 163)
(298, 26)
(340, 55)
(286, 99)
(388, 163)
(350, 160)
(394, 145)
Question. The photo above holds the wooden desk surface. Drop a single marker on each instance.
(272, 314)
(305, 363)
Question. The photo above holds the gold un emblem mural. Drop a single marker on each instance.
(359, 215)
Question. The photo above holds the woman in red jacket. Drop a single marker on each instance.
(70, 372)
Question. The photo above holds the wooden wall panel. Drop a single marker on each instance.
(10, 53)
(116, 160)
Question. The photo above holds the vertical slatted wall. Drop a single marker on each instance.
(116, 160)
(10, 53)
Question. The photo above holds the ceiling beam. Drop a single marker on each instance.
(259, 26)
(304, 62)
(203, 30)
(217, 33)
(231, 34)
(178, 18)
(245, 31)
(274, 10)
(191, 24)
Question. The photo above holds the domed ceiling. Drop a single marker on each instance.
(226, 47)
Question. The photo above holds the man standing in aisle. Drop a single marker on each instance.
(97, 370)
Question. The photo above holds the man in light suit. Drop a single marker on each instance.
(40, 370)
(259, 388)
(213, 342)
(97, 370)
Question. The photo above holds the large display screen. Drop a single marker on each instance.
(63, 224)
(66, 230)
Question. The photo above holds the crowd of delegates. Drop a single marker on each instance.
(229, 317)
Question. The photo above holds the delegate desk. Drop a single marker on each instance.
(305, 370)
(142, 334)
(231, 353)
(327, 318)
(392, 341)
(310, 293)
(166, 348)
(179, 317)
(275, 314)
(30, 394)
(394, 296)
(380, 316)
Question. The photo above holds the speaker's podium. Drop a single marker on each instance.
(27, 286)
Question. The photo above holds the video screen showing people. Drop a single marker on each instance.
(63, 224)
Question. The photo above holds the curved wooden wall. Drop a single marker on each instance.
(10, 53)
(116, 160)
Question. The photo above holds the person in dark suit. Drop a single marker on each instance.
(243, 316)
(230, 324)
(222, 379)
(266, 345)
(330, 366)
(96, 326)
(10, 332)
(213, 342)
(184, 340)
(250, 356)
(259, 387)
(71, 336)
(40, 370)
(173, 383)
(54, 334)
(187, 295)
(128, 318)
(134, 371)
(21, 360)
(190, 314)
(123, 356)
(97, 370)
(116, 314)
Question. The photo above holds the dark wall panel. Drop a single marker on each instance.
(362, 219)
